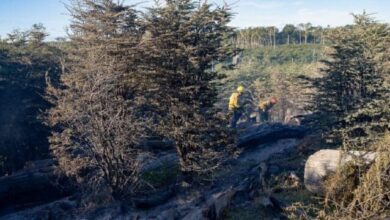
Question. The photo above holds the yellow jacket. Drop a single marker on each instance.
(233, 102)
(265, 105)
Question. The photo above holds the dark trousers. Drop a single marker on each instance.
(263, 116)
(236, 115)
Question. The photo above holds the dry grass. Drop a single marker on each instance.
(353, 194)
(339, 187)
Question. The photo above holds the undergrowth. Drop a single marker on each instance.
(357, 192)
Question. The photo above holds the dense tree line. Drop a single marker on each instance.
(25, 61)
(271, 36)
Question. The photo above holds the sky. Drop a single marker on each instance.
(53, 15)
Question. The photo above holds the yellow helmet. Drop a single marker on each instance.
(240, 89)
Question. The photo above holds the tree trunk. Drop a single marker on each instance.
(269, 133)
(305, 37)
(288, 39)
(33, 185)
(300, 37)
(274, 38)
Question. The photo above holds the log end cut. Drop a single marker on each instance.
(318, 166)
(325, 162)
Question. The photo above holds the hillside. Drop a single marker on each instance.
(168, 112)
(268, 71)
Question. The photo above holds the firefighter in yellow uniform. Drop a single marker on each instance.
(264, 108)
(234, 106)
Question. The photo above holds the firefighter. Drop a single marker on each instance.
(264, 108)
(234, 106)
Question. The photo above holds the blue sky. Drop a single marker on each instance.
(52, 13)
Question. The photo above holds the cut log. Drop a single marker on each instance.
(35, 176)
(32, 186)
(324, 163)
(254, 136)
(257, 135)
(212, 208)
(156, 144)
(209, 203)
(55, 210)
(154, 199)
(167, 160)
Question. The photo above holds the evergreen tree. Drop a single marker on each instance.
(37, 35)
(184, 39)
(95, 121)
(288, 32)
(17, 37)
(371, 120)
(351, 96)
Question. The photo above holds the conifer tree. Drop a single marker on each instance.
(357, 79)
(371, 120)
(184, 38)
(351, 96)
(95, 121)
(37, 35)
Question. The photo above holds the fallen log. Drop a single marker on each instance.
(213, 208)
(31, 186)
(154, 199)
(254, 136)
(257, 135)
(156, 144)
(58, 209)
(168, 160)
(324, 163)
(32, 178)
(210, 203)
